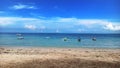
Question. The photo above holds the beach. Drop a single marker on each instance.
(23, 57)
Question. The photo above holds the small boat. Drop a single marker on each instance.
(20, 38)
(94, 39)
(19, 34)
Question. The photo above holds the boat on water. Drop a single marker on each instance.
(20, 38)
(19, 34)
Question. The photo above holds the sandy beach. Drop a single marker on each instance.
(59, 58)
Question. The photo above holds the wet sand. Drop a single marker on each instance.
(59, 58)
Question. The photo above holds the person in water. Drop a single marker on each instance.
(79, 39)
(94, 39)
(65, 39)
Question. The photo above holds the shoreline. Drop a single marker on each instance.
(2, 46)
(11, 56)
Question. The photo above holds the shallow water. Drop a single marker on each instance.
(56, 40)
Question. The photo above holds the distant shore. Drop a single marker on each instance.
(21, 57)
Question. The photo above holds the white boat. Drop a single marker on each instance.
(19, 34)
(20, 38)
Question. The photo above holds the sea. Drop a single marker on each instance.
(60, 40)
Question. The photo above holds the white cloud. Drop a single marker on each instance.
(21, 6)
(32, 27)
(89, 22)
(4, 21)
(64, 20)
(112, 27)
(73, 22)
(86, 22)
(59, 21)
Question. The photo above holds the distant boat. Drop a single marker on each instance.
(20, 38)
(19, 34)
(94, 39)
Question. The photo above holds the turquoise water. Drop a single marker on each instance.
(56, 40)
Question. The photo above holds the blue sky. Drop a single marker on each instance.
(60, 16)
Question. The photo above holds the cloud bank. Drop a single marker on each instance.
(63, 24)
(112, 27)
(32, 27)
(22, 6)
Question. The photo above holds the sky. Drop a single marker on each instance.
(60, 16)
